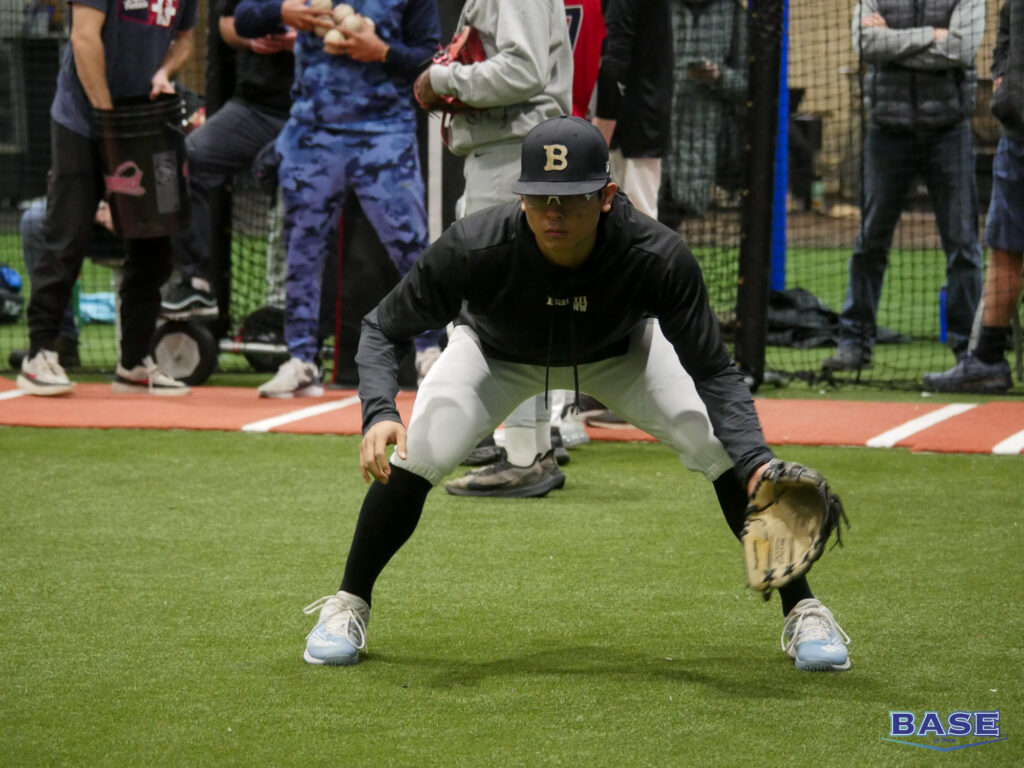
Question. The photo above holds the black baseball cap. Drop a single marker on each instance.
(563, 156)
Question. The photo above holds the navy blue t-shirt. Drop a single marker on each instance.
(136, 35)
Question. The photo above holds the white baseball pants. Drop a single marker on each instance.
(466, 394)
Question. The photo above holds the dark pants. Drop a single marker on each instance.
(76, 187)
(224, 145)
(892, 160)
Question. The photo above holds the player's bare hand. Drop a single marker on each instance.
(270, 44)
(426, 96)
(939, 34)
(373, 451)
(706, 72)
(103, 215)
(754, 477)
(996, 83)
(874, 20)
(363, 45)
(297, 15)
(606, 127)
(160, 84)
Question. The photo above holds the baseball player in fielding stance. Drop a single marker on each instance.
(569, 288)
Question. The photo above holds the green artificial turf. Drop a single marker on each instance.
(151, 586)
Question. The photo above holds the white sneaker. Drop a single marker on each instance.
(813, 639)
(340, 632)
(43, 375)
(573, 432)
(295, 378)
(146, 378)
(425, 359)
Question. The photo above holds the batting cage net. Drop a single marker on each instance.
(765, 182)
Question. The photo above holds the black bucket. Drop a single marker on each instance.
(143, 148)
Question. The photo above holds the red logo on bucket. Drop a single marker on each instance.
(127, 180)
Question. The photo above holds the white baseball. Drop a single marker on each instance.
(321, 5)
(334, 37)
(342, 11)
(353, 23)
(370, 26)
(322, 30)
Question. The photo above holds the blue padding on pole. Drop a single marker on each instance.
(777, 281)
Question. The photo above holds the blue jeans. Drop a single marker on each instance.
(945, 159)
(224, 145)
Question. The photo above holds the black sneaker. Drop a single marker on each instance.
(186, 300)
(973, 376)
(486, 452)
(558, 446)
(848, 358)
(504, 480)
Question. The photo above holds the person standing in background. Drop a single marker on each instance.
(709, 38)
(525, 79)
(919, 98)
(119, 49)
(352, 127)
(985, 368)
(634, 95)
(226, 144)
(586, 35)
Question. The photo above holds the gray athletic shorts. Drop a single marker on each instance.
(466, 394)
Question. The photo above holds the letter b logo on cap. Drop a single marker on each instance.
(556, 154)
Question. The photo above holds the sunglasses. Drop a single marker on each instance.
(564, 203)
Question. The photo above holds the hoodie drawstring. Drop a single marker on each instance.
(572, 356)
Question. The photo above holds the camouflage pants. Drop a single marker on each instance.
(318, 168)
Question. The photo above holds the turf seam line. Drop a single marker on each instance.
(265, 425)
(890, 437)
(11, 394)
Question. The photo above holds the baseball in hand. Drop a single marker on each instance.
(353, 23)
(322, 30)
(334, 37)
(321, 5)
(342, 11)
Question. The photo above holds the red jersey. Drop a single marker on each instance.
(586, 33)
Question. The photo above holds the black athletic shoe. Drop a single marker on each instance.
(184, 300)
(486, 452)
(504, 480)
(558, 446)
(973, 376)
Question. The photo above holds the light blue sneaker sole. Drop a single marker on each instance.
(821, 663)
(345, 660)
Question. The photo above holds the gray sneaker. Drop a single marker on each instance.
(848, 358)
(971, 375)
(507, 481)
(148, 379)
(43, 375)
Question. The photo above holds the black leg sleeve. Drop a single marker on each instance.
(386, 521)
(732, 498)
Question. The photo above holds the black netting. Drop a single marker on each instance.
(716, 189)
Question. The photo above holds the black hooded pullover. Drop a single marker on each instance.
(487, 272)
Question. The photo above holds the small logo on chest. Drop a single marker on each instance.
(579, 303)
